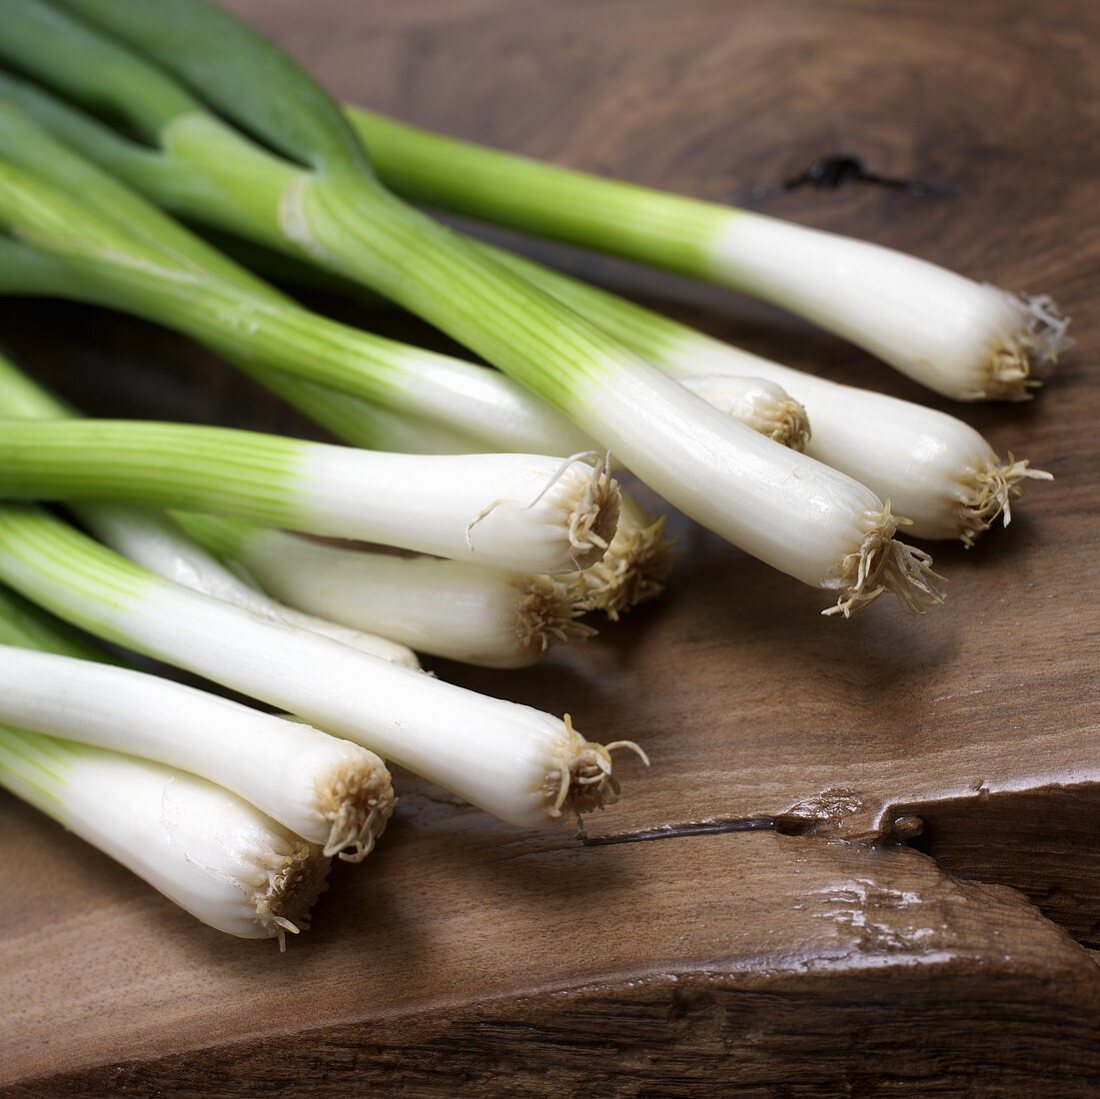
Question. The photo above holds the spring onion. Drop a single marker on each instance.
(936, 470)
(511, 511)
(326, 790)
(638, 560)
(958, 337)
(206, 849)
(812, 522)
(357, 421)
(447, 608)
(153, 543)
(632, 571)
(524, 766)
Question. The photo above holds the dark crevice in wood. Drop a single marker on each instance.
(836, 170)
(826, 810)
(702, 828)
(1038, 841)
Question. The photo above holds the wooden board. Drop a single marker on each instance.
(773, 934)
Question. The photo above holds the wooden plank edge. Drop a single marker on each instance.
(932, 987)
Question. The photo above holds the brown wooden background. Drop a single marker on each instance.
(746, 921)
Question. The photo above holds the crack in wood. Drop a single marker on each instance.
(680, 831)
(837, 170)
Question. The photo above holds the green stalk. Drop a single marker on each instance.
(542, 199)
(41, 38)
(72, 576)
(26, 143)
(38, 769)
(208, 468)
(645, 331)
(98, 262)
(21, 398)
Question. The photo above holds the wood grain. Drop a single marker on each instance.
(814, 952)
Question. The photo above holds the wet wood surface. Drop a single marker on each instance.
(865, 860)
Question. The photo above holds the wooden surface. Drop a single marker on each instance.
(752, 919)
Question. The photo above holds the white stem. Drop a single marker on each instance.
(958, 337)
(459, 611)
(474, 400)
(374, 427)
(204, 848)
(512, 511)
(153, 540)
(637, 561)
(505, 758)
(781, 506)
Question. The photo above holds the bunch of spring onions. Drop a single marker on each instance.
(489, 494)
(150, 67)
